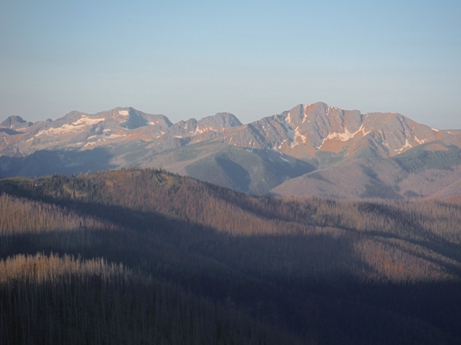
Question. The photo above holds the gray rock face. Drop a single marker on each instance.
(15, 122)
(221, 120)
(289, 145)
(307, 130)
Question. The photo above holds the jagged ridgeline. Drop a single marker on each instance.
(309, 150)
(224, 267)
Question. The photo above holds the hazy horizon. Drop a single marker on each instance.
(252, 59)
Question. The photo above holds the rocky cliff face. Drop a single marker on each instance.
(271, 151)
(307, 129)
(82, 131)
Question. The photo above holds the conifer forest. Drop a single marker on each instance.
(143, 256)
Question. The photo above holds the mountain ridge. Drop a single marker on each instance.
(281, 147)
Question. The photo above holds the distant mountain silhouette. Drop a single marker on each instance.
(312, 149)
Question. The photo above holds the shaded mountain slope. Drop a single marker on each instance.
(418, 173)
(86, 301)
(325, 271)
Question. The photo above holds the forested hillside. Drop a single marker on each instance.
(145, 256)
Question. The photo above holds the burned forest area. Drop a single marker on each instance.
(144, 256)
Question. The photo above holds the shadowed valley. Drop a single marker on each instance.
(121, 252)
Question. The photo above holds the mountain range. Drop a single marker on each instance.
(310, 150)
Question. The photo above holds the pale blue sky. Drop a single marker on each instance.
(252, 58)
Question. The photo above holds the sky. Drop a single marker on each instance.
(191, 59)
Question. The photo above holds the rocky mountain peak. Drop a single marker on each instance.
(221, 120)
(15, 122)
(317, 133)
(134, 119)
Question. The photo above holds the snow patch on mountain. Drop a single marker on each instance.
(420, 141)
(201, 130)
(406, 146)
(283, 158)
(124, 112)
(341, 136)
(59, 130)
(76, 126)
(345, 136)
(89, 144)
(298, 137)
(306, 114)
(87, 121)
(331, 108)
